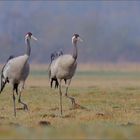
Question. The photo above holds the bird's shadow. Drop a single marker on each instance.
(20, 108)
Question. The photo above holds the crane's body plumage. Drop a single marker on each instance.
(17, 69)
(63, 67)
(54, 56)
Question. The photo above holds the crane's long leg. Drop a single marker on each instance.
(60, 92)
(66, 94)
(14, 103)
(25, 107)
(56, 83)
(51, 83)
(65, 81)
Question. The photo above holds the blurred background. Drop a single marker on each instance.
(110, 29)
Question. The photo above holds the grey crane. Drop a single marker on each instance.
(63, 68)
(16, 71)
(55, 55)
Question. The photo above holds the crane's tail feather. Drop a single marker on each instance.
(10, 57)
(3, 79)
(3, 82)
(2, 85)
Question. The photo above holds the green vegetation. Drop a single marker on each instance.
(111, 100)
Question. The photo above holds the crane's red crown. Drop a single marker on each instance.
(76, 35)
(29, 34)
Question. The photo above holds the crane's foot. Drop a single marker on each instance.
(73, 101)
(76, 105)
(25, 107)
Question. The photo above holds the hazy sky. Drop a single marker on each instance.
(109, 28)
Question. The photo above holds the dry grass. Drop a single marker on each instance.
(111, 97)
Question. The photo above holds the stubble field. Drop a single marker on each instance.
(109, 95)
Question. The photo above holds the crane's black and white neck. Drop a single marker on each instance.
(28, 37)
(75, 39)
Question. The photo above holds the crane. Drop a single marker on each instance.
(54, 55)
(16, 71)
(63, 68)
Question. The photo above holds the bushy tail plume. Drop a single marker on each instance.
(3, 79)
(3, 82)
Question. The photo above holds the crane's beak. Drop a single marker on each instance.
(34, 38)
(80, 39)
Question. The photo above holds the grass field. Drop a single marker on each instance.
(110, 95)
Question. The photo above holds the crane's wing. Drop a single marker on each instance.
(4, 79)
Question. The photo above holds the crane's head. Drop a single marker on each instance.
(76, 38)
(30, 36)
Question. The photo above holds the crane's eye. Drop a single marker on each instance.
(76, 35)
